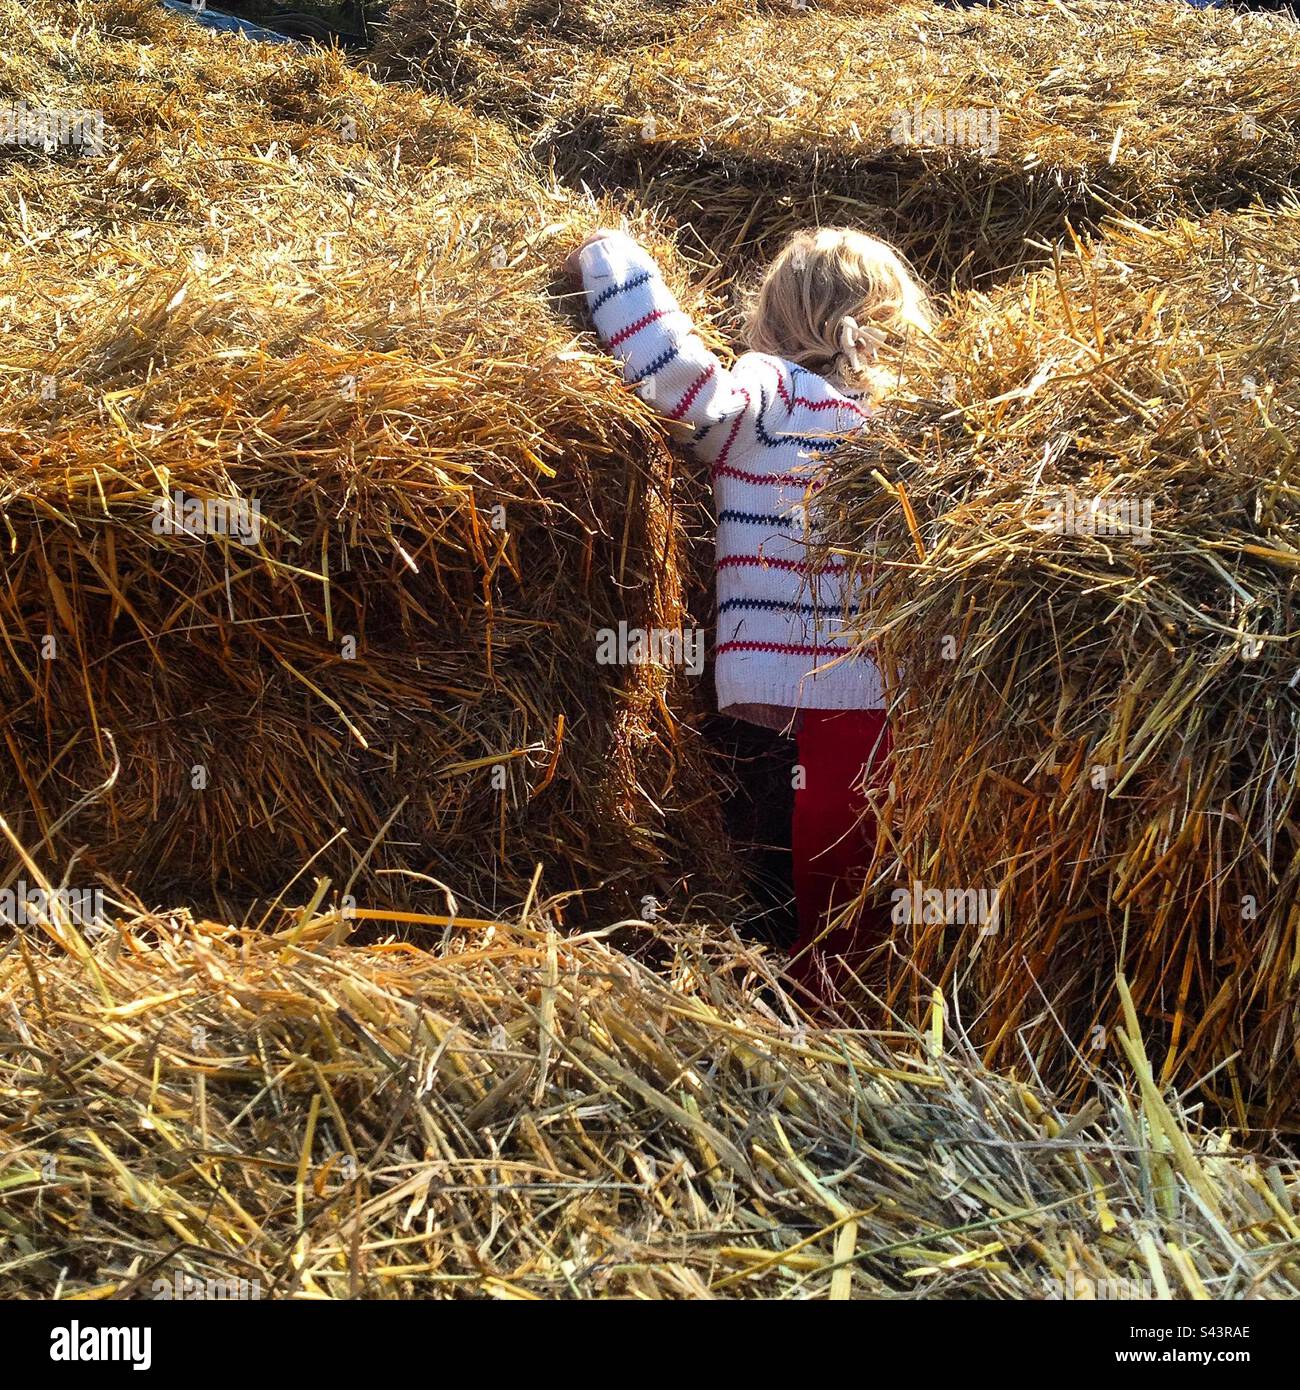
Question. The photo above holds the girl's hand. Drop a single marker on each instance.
(573, 263)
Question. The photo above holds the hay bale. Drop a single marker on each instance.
(1104, 727)
(748, 121)
(284, 284)
(186, 1106)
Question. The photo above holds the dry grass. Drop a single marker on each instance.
(288, 285)
(747, 121)
(524, 1115)
(1105, 728)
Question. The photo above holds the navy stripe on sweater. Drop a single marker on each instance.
(754, 518)
(630, 284)
(823, 443)
(776, 605)
(847, 392)
(656, 366)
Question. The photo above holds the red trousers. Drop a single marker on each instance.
(833, 839)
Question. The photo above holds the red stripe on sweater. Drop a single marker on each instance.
(792, 401)
(634, 328)
(844, 404)
(696, 387)
(718, 467)
(805, 480)
(722, 469)
(797, 566)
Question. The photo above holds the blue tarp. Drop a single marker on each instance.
(226, 23)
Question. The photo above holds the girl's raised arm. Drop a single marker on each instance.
(640, 321)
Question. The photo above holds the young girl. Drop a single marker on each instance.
(830, 299)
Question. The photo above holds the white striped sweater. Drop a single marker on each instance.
(763, 428)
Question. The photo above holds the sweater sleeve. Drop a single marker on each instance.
(640, 321)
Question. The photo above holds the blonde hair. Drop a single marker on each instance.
(832, 298)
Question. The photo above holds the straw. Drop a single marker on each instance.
(749, 121)
(284, 285)
(1092, 666)
(532, 1116)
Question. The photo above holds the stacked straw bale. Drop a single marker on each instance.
(186, 1106)
(1103, 727)
(286, 285)
(747, 121)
